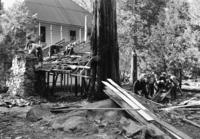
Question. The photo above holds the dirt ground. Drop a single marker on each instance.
(14, 124)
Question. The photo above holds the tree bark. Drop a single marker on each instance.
(104, 45)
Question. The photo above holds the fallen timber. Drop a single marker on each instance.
(163, 128)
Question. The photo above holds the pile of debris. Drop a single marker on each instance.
(186, 111)
(141, 114)
(13, 101)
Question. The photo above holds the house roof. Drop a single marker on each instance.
(59, 11)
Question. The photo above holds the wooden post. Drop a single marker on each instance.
(51, 28)
(64, 74)
(80, 39)
(39, 31)
(50, 39)
(85, 29)
(48, 93)
(61, 35)
(71, 83)
(67, 82)
(134, 67)
(61, 81)
(180, 79)
(76, 91)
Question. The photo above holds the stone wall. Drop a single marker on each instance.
(22, 81)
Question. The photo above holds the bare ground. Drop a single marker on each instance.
(14, 124)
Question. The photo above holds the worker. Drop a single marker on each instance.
(151, 84)
(174, 86)
(34, 48)
(140, 86)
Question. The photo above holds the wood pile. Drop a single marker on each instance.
(141, 114)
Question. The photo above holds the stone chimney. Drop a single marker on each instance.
(22, 81)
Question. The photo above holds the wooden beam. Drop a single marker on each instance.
(61, 29)
(39, 31)
(190, 122)
(127, 95)
(134, 114)
(76, 91)
(80, 39)
(85, 36)
(114, 109)
(123, 104)
(51, 29)
(133, 105)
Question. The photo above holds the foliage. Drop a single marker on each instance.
(162, 32)
(86, 4)
(16, 22)
(173, 37)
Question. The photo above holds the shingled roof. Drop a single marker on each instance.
(59, 11)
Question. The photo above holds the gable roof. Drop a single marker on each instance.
(59, 11)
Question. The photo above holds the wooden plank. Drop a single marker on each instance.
(158, 131)
(177, 137)
(123, 104)
(134, 114)
(171, 128)
(116, 109)
(145, 115)
(133, 105)
(127, 95)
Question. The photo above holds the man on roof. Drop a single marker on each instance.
(33, 48)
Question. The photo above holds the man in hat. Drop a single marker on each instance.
(140, 86)
(34, 48)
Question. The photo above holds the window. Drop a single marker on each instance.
(43, 34)
(72, 35)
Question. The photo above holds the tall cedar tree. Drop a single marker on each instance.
(104, 46)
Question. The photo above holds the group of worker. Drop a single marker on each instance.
(33, 48)
(149, 85)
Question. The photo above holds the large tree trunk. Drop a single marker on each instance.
(104, 46)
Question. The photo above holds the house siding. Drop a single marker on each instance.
(65, 33)
(55, 33)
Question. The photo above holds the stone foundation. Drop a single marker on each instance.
(23, 80)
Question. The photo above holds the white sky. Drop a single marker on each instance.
(8, 3)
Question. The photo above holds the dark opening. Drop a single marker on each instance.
(43, 34)
(72, 35)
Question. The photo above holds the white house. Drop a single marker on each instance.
(59, 19)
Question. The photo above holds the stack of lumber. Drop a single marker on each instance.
(140, 113)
